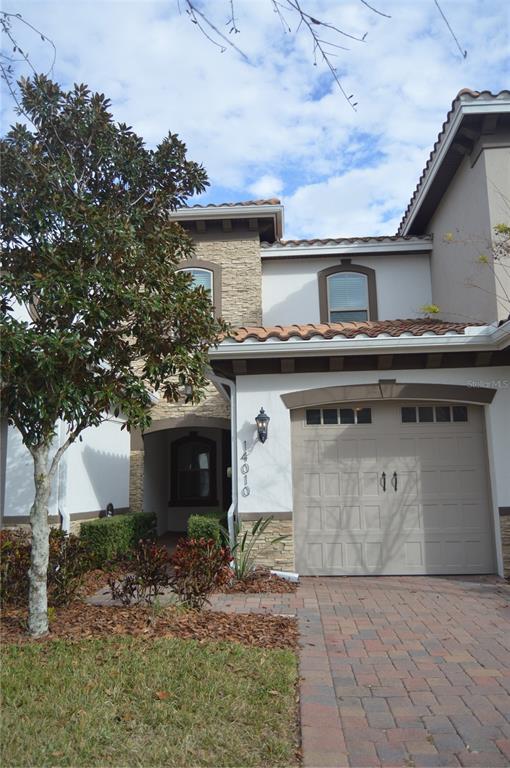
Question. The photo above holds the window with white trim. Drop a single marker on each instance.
(347, 297)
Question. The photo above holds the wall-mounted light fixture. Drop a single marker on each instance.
(262, 421)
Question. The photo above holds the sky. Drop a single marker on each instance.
(269, 123)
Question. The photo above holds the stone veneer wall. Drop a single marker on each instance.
(238, 254)
(279, 556)
(504, 522)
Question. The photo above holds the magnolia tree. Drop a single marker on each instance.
(90, 247)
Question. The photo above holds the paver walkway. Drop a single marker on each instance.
(407, 671)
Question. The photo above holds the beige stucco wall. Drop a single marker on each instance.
(462, 288)
(497, 162)
(477, 199)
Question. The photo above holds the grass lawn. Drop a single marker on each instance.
(137, 702)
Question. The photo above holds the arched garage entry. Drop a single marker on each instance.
(391, 479)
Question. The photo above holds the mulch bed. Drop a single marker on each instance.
(97, 579)
(261, 581)
(81, 620)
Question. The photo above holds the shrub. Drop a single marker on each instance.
(150, 575)
(14, 565)
(68, 560)
(110, 538)
(200, 566)
(204, 527)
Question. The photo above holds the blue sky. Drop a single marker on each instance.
(275, 125)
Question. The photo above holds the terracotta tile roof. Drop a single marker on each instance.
(372, 329)
(345, 240)
(271, 201)
(464, 95)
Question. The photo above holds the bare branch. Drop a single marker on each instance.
(232, 20)
(194, 12)
(462, 52)
(276, 8)
(380, 13)
(317, 22)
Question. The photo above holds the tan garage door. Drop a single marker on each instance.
(393, 488)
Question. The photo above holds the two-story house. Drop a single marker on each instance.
(388, 446)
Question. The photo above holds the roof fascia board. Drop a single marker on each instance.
(475, 108)
(355, 248)
(489, 340)
(228, 212)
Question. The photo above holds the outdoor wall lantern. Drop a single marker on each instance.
(262, 421)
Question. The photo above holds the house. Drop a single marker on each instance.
(388, 446)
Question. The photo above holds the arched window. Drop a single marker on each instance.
(202, 278)
(347, 293)
(347, 297)
(206, 274)
(193, 471)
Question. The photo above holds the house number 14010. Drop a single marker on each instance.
(245, 468)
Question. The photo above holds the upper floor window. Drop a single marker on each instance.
(202, 278)
(347, 293)
(347, 297)
(208, 275)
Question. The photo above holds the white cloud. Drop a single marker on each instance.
(278, 124)
(266, 186)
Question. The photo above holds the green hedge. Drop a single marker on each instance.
(207, 526)
(203, 527)
(113, 537)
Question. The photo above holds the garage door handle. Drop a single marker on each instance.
(383, 481)
(394, 481)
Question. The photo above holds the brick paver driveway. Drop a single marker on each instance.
(408, 671)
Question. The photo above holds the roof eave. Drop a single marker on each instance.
(476, 338)
(233, 212)
(480, 106)
(283, 252)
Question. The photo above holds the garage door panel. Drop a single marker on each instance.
(330, 485)
(332, 519)
(413, 554)
(436, 521)
(311, 484)
(370, 483)
(334, 555)
(350, 484)
(411, 518)
(310, 452)
(372, 515)
(368, 449)
(328, 452)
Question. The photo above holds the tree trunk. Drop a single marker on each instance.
(38, 573)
